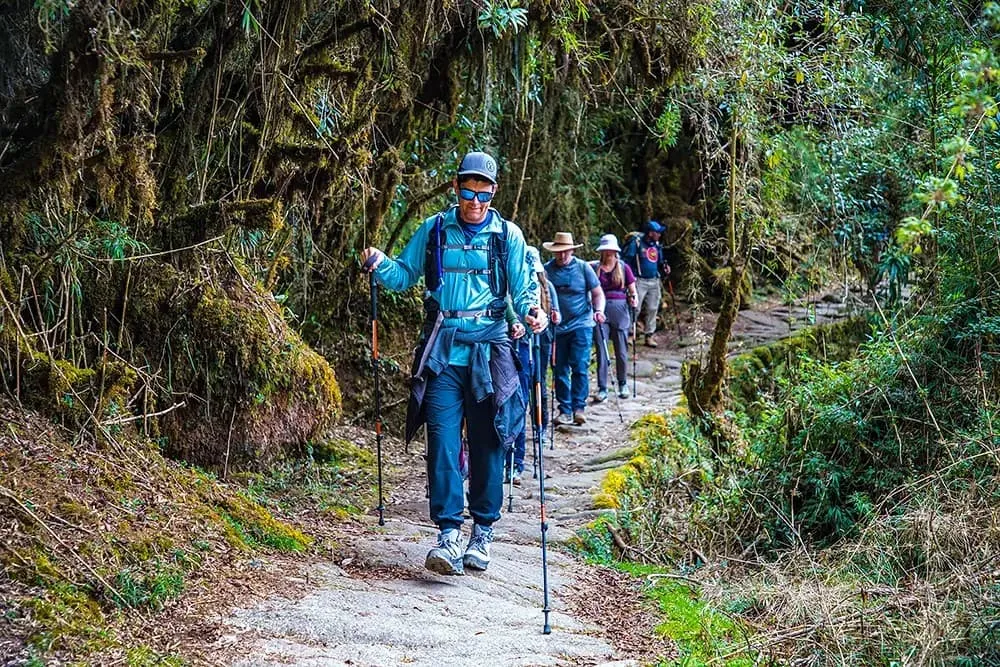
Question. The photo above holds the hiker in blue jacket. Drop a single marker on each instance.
(470, 259)
(581, 303)
(645, 255)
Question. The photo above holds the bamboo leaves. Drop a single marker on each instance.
(502, 17)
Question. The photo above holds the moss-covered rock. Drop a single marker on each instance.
(254, 390)
(753, 373)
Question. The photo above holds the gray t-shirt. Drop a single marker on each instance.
(573, 284)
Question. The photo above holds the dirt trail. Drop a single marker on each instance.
(381, 607)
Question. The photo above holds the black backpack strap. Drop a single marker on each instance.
(499, 254)
(432, 255)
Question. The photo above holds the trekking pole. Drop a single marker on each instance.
(552, 396)
(536, 438)
(378, 389)
(635, 345)
(537, 352)
(673, 302)
(607, 361)
(510, 480)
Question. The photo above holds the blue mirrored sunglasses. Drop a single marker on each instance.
(469, 195)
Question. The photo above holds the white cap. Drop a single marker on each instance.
(609, 242)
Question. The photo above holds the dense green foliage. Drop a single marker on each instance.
(876, 472)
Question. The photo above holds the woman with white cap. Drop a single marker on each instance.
(618, 284)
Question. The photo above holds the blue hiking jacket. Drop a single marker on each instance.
(464, 291)
(493, 376)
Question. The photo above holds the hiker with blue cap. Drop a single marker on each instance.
(644, 255)
(471, 259)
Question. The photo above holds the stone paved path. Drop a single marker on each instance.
(391, 611)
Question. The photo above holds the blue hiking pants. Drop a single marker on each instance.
(448, 399)
(572, 360)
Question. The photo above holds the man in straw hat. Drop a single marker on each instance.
(581, 303)
(471, 259)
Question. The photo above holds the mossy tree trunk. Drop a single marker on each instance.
(703, 384)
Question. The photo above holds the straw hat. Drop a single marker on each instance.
(563, 241)
(609, 242)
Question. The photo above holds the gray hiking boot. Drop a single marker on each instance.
(446, 557)
(602, 395)
(623, 391)
(564, 418)
(477, 554)
(578, 418)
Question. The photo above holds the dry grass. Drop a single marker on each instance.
(922, 588)
(107, 546)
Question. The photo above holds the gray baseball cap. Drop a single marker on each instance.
(479, 164)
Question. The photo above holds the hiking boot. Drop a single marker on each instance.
(446, 557)
(602, 396)
(516, 477)
(578, 417)
(623, 391)
(477, 554)
(650, 342)
(564, 418)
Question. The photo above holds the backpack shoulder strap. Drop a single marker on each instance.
(499, 255)
(433, 269)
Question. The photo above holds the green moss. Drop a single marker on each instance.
(337, 450)
(754, 372)
(614, 455)
(143, 656)
(703, 634)
(278, 365)
(30, 564)
(62, 612)
(721, 278)
(252, 525)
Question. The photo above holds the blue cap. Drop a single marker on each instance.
(479, 164)
(654, 226)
